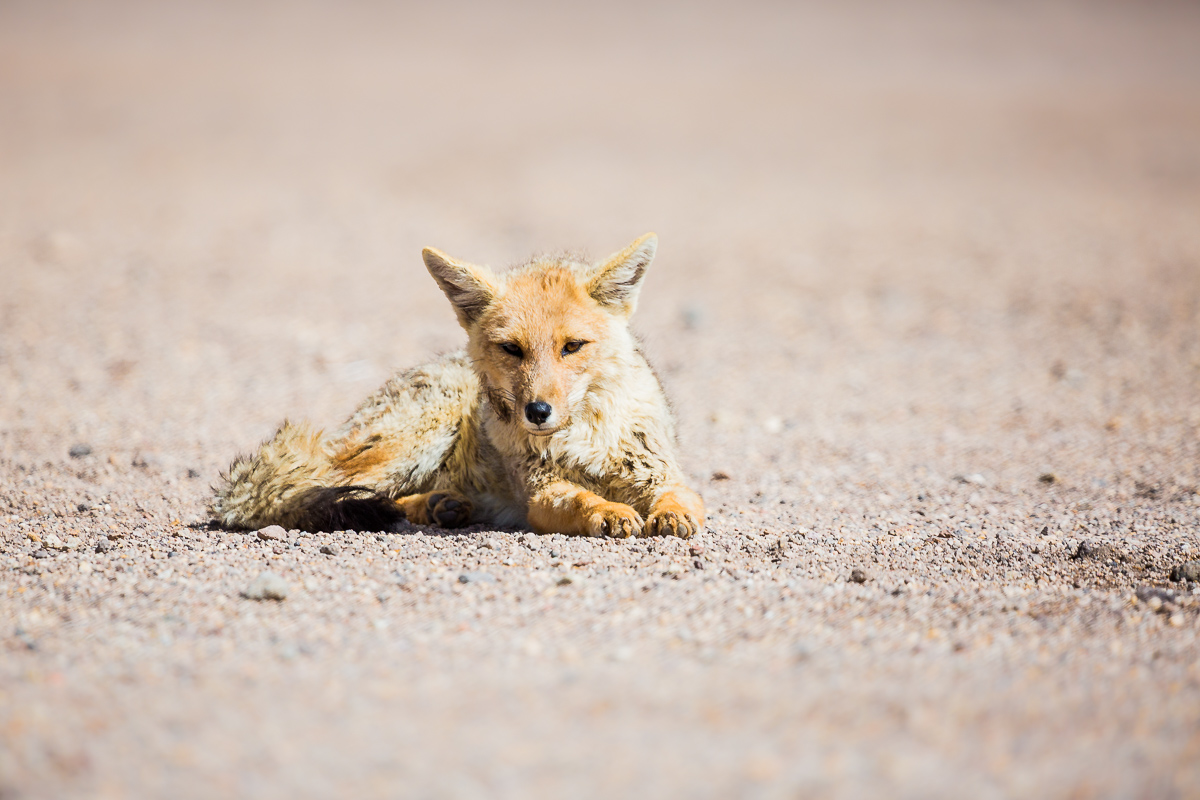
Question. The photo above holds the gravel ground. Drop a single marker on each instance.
(927, 299)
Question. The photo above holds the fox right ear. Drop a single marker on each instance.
(469, 288)
(617, 281)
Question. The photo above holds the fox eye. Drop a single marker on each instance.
(512, 349)
(572, 347)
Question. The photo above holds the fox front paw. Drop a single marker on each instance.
(672, 523)
(615, 520)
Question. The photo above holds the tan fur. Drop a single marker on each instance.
(451, 441)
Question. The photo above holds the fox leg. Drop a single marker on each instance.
(563, 507)
(677, 512)
(447, 509)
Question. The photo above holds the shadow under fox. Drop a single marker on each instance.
(550, 418)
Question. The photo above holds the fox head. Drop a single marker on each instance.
(544, 335)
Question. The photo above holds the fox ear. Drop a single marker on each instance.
(469, 288)
(618, 280)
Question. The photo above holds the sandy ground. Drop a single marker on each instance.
(927, 299)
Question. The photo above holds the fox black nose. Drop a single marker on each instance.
(538, 412)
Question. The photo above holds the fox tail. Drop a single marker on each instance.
(291, 482)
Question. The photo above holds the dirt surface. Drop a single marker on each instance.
(927, 299)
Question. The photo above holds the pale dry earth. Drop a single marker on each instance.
(927, 300)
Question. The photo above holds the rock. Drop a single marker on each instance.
(858, 576)
(267, 586)
(476, 577)
(52, 542)
(330, 549)
(80, 450)
(1095, 550)
(103, 545)
(73, 542)
(1187, 571)
(41, 552)
(1048, 478)
(272, 533)
(720, 475)
(1147, 593)
(567, 580)
(145, 460)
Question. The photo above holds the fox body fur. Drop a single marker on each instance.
(551, 418)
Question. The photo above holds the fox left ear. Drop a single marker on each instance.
(618, 280)
(469, 288)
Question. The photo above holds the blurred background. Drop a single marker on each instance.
(891, 234)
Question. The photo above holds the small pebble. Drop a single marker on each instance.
(267, 586)
(476, 577)
(330, 549)
(272, 533)
(1187, 571)
(103, 544)
(1095, 550)
(1152, 594)
(80, 450)
(858, 576)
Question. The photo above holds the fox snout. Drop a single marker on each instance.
(538, 412)
(541, 416)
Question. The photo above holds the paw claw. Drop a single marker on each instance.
(615, 520)
(671, 523)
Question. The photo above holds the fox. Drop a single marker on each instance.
(550, 419)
